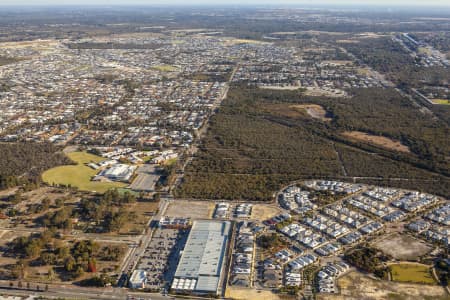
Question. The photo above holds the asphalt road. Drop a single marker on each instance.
(77, 292)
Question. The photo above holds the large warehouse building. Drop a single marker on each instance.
(200, 270)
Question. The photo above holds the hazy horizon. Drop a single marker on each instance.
(386, 3)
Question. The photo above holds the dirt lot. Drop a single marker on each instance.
(317, 92)
(347, 41)
(283, 110)
(264, 212)
(251, 294)
(313, 110)
(356, 286)
(402, 247)
(280, 88)
(299, 110)
(377, 140)
(338, 62)
(190, 209)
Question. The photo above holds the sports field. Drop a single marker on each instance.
(411, 272)
(441, 101)
(80, 175)
(165, 68)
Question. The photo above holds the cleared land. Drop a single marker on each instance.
(313, 110)
(298, 110)
(317, 92)
(338, 62)
(377, 140)
(264, 212)
(190, 209)
(402, 247)
(275, 87)
(251, 294)
(79, 175)
(411, 272)
(233, 41)
(356, 286)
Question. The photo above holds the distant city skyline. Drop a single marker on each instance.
(231, 2)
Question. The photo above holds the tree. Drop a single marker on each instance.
(69, 264)
(45, 204)
(51, 274)
(48, 258)
(92, 265)
(19, 269)
(63, 252)
(59, 202)
(79, 271)
(17, 197)
(33, 249)
(128, 198)
(15, 163)
(156, 197)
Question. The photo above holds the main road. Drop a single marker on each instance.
(74, 292)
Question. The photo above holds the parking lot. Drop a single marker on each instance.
(161, 257)
(146, 179)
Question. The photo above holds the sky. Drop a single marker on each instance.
(231, 2)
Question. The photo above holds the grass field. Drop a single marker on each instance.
(414, 273)
(165, 68)
(441, 101)
(80, 175)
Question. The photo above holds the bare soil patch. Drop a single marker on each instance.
(280, 88)
(338, 62)
(377, 140)
(313, 110)
(298, 110)
(251, 294)
(190, 209)
(356, 286)
(317, 92)
(402, 247)
(264, 212)
(283, 110)
(347, 41)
